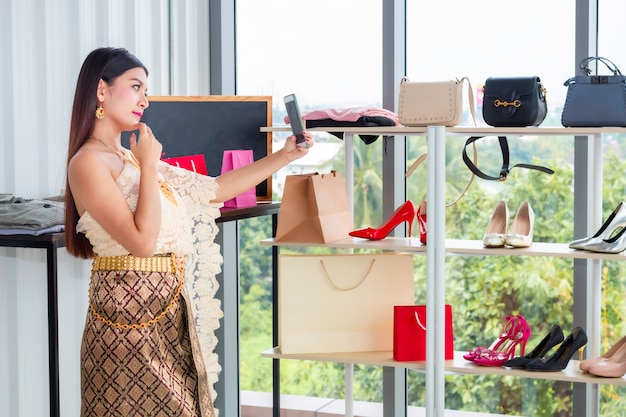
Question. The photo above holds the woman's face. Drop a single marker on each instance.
(126, 98)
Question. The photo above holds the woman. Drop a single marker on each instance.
(150, 230)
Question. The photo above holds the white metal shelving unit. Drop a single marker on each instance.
(435, 366)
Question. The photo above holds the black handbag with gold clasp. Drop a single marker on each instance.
(514, 101)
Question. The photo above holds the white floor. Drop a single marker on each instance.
(259, 404)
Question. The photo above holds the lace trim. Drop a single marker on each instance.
(203, 263)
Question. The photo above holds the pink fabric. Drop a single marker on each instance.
(350, 114)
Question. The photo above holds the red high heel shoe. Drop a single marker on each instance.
(404, 213)
(506, 351)
(509, 326)
(421, 221)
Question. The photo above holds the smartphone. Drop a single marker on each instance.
(295, 119)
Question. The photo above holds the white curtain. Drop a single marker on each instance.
(42, 45)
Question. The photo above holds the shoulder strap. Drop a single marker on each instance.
(504, 171)
(470, 96)
(422, 158)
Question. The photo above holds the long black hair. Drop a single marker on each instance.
(101, 64)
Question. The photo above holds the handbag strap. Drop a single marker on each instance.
(422, 158)
(329, 279)
(470, 96)
(584, 64)
(504, 171)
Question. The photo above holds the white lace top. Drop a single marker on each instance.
(187, 227)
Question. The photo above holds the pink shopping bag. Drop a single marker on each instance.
(234, 159)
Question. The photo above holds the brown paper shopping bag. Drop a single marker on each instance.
(314, 209)
(341, 303)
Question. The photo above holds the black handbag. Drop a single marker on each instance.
(595, 100)
(514, 101)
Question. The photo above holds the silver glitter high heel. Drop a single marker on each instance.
(616, 220)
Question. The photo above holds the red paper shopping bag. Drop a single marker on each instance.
(195, 163)
(409, 333)
(234, 159)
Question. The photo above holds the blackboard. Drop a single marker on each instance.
(209, 125)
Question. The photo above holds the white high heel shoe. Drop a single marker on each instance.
(520, 235)
(497, 227)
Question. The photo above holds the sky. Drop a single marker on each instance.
(329, 51)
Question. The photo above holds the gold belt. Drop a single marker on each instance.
(159, 263)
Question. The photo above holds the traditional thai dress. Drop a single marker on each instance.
(149, 338)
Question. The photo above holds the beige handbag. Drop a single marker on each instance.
(438, 103)
(341, 303)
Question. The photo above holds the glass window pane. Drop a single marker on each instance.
(450, 39)
(328, 53)
(610, 45)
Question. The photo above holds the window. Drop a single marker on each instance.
(329, 55)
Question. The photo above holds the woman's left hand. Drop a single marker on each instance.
(296, 151)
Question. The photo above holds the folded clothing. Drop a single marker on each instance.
(46, 230)
(364, 121)
(351, 114)
(351, 117)
(30, 214)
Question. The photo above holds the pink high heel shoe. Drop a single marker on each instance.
(506, 351)
(509, 326)
(612, 366)
(404, 213)
(587, 363)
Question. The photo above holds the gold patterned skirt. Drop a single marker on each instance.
(140, 354)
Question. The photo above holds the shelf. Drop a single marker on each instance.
(462, 130)
(403, 244)
(458, 247)
(556, 250)
(534, 131)
(439, 248)
(456, 366)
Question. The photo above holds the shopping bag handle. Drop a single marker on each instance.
(193, 165)
(335, 286)
(419, 322)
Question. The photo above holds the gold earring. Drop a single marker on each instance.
(100, 113)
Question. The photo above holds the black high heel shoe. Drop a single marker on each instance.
(553, 338)
(576, 341)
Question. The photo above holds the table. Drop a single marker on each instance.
(49, 242)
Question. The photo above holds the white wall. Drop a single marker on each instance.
(42, 45)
